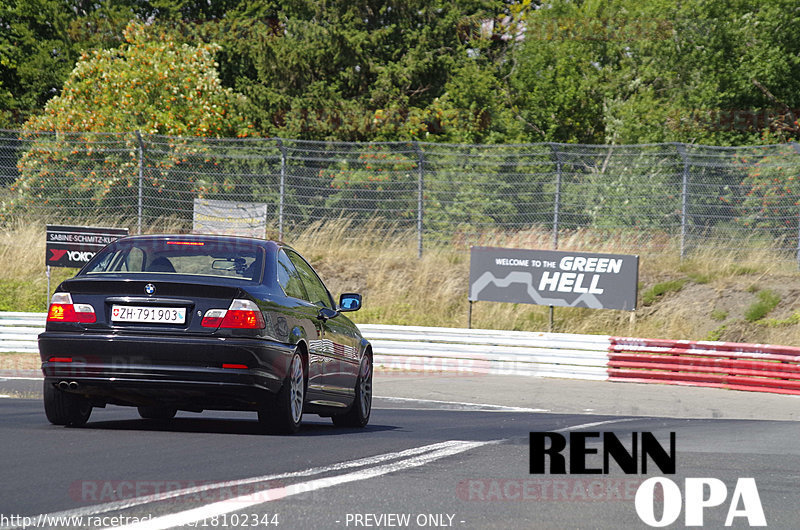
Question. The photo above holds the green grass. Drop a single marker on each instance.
(658, 290)
(782, 322)
(22, 295)
(700, 278)
(767, 300)
(716, 334)
(719, 315)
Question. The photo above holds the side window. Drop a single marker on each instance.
(289, 278)
(317, 293)
(103, 264)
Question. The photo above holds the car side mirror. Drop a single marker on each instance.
(349, 302)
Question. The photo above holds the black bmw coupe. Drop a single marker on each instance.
(189, 322)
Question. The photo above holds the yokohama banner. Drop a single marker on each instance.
(74, 246)
(553, 278)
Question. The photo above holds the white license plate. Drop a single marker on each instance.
(156, 315)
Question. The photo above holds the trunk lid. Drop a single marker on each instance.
(160, 303)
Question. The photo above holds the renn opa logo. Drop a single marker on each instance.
(698, 493)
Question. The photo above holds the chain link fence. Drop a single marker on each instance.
(672, 195)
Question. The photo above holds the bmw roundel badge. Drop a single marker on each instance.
(150, 288)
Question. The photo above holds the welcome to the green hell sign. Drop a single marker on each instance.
(553, 278)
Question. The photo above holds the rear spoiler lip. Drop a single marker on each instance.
(148, 300)
(164, 277)
(174, 287)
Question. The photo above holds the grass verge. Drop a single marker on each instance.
(767, 301)
(400, 288)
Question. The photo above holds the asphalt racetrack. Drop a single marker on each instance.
(439, 452)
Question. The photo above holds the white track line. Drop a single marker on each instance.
(157, 497)
(595, 424)
(484, 407)
(247, 501)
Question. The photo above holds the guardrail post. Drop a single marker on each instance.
(282, 189)
(684, 196)
(420, 185)
(140, 148)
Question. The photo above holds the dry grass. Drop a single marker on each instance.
(23, 284)
(399, 288)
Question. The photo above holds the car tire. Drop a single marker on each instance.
(359, 412)
(62, 408)
(157, 413)
(285, 413)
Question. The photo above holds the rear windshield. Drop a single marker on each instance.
(223, 258)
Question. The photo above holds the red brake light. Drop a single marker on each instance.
(63, 310)
(235, 366)
(242, 319)
(242, 314)
(189, 243)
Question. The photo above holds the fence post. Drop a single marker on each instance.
(282, 189)
(684, 196)
(796, 148)
(420, 184)
(140, 143)
(557, 197)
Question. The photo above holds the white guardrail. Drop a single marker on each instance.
(481, 351)
(18, 331)
(426, 349)
(412, 350)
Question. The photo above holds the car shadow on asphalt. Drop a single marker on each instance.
(227, 426)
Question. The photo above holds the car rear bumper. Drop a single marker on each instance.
(192, 373)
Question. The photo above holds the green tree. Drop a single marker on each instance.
(625, 72)
(150, 84)
(560, 74)
(719, 73)
(362, 70)
(772, 184)
(34, 56)
(378, 179)
(40, 41)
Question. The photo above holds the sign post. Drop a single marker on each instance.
(553, 278)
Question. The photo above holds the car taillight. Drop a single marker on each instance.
(63, 310)
(242, 314)
(213, 318)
